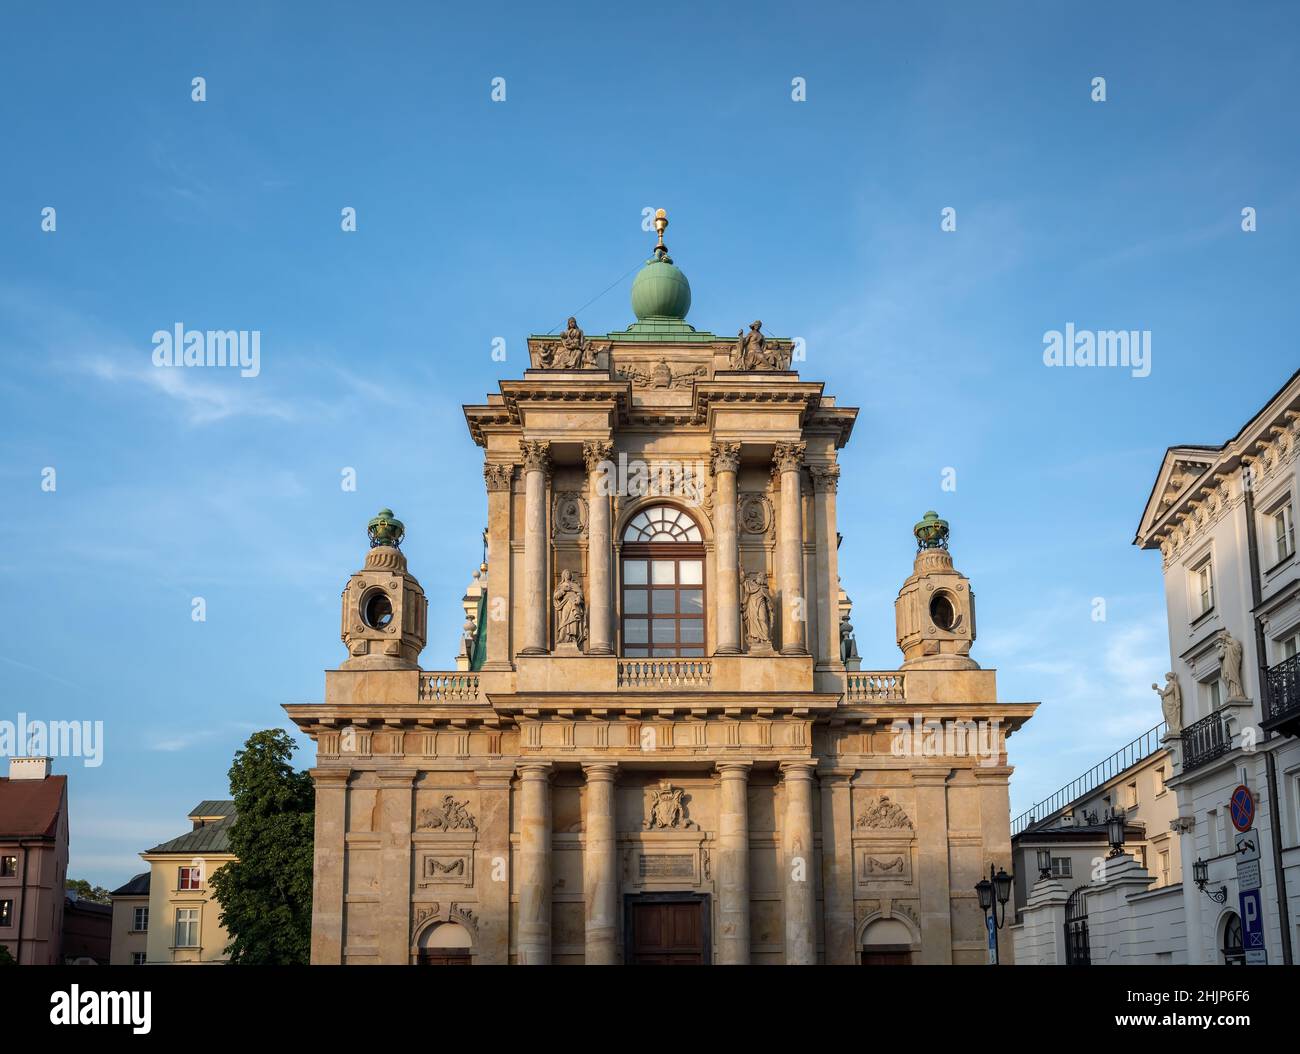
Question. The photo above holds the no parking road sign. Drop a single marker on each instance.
(1242, 807)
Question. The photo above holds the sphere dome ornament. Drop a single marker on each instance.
(931, 532)
(386, 529)
(660, 290)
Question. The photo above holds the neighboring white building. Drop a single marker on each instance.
(1223, 518)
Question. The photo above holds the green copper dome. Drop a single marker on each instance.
(660, 290)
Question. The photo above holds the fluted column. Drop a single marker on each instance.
(733, 864)
(726, 461)
(800, 877)
(537, 467)
(600, 636)
(600, 866)
(499, 479)
(825, 480)
(534, 943)
(789, 549)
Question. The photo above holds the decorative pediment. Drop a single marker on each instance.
(660, 372)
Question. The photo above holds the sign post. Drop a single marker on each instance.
(1241, 806)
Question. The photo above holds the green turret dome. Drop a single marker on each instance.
(660, 290)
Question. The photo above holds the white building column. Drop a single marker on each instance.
(825, 480)
(537, 468)
(726, 462)
(789, 549)
(599, 550)
(800, 874)
(1185, 825)
(733, 864)
(534, 942)
(600, 866)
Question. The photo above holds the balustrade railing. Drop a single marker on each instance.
(664, 673)
(452, 686)
(867, 686)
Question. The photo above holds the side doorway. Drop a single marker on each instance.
(667, 929)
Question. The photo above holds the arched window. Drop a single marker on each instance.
(662, 613)
(1233, 953)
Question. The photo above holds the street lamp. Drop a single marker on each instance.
(1201, 876)
(1115, 833)
(1044, 863)
(994, 892)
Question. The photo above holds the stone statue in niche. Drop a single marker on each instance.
(883, 813)
(668, 810)
(756, 606)
(1230, 666)
(570, 612)
(451, 815)
(1171, 702)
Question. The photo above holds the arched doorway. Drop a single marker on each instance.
(661, 614)
(887, 942)
(1230, 944)
(444, 944)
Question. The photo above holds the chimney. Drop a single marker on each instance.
(29, 768)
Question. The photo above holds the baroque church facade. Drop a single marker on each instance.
(659, 745)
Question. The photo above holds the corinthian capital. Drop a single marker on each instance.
(788, 456)
(536, 454)
(824, 477)
(498, 477)
(596, 452)
(725, 457)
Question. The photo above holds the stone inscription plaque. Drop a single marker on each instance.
(667, 865)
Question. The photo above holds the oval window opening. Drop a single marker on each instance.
(942, 613)
(377, 610)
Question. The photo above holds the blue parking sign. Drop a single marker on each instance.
(1252, 928)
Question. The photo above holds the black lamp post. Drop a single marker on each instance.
(1044, 863)
(994, 892)
(1115, 833)
(1201, 876)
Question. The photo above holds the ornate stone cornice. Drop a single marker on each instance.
(595, 452)
(826, 478)
(536, 454)
(724, 457)
(787, 457)
(498, 477)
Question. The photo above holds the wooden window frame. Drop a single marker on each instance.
(676, 552)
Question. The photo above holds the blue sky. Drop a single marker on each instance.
(479, 219)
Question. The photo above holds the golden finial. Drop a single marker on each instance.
(661, 224)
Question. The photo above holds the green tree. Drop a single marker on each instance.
(265, 893)
(6, 959)
(85, 891)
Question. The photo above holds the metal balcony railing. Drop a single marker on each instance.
(1284, 689)
(1144, 746)
(1205, 740)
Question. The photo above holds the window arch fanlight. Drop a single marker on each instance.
(661, 614)
(662, 523)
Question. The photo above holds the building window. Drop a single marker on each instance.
(662, 613)
(1213, 696)
(1202, 588)
(1062, 867)
(1160, 780)
(137, 958)
(6, 913)
(1290, 646)
(1131, 796)
(190, 878)
(8, 866)
(1164, 867)
(1283, 533)
(187, 927)
(140, 920)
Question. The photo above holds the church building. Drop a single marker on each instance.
(657, 745)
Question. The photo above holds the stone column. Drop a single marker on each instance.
(537, 468)
(492, 877)
(534, 943)
(825, 479)
(600, 637)
(396, 788)
(328, 866)
(800, 874)
(931, 826)
(1185, 825)
(733, 864)
(789, 549)
(837, 867)
(499, 479)
(600, 866)
(726, 462)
